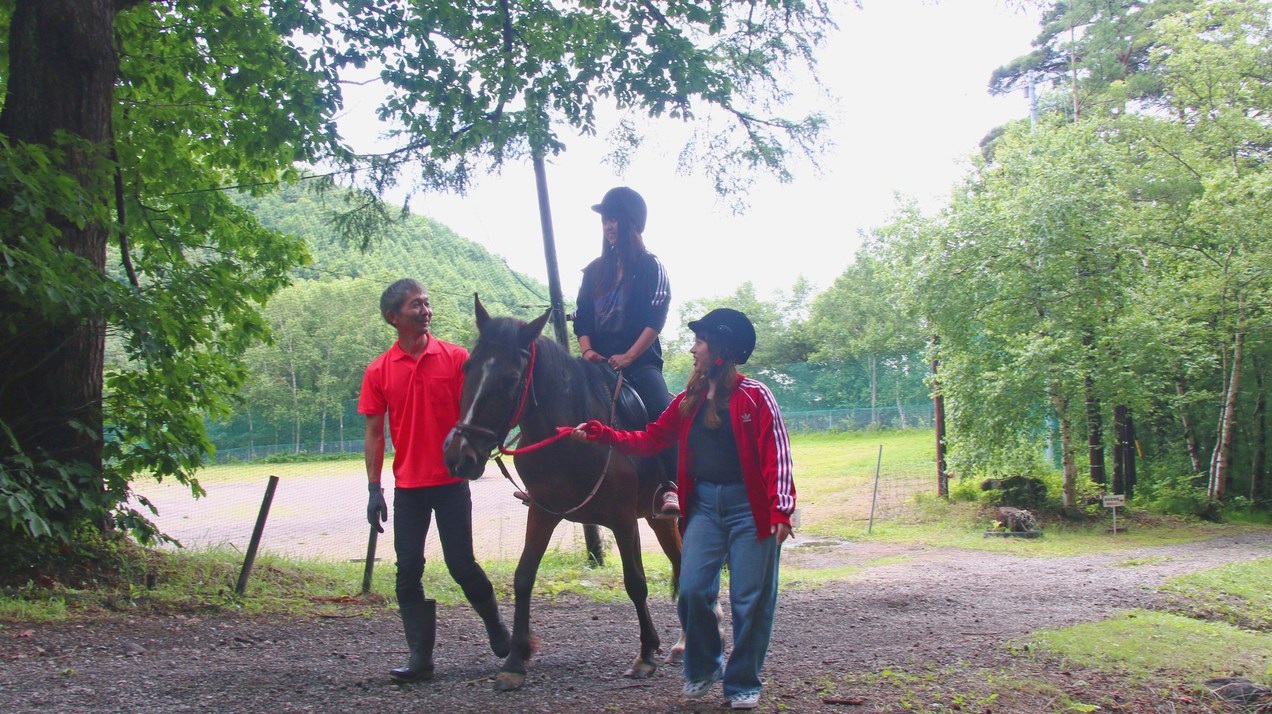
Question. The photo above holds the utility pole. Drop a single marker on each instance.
(549, 252)
(1031, 94)
(591, 532)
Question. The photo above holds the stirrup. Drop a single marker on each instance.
(523, 496)
(670, 506)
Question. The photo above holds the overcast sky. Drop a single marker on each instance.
(910, 77)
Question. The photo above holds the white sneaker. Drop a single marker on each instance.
(698, 689)
(745, 700)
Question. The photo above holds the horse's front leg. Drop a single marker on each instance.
(539, 527)
(627, 537)
(669, 539)
(677, 653)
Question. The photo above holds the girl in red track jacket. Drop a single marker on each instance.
(737, 494)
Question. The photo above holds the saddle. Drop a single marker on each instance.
(629, 408)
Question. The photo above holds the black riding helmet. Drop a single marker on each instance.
(624, 203)
(729, 331)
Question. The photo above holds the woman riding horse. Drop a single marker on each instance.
(515, 378)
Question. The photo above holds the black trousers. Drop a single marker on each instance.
(649, 383)
(413, 512)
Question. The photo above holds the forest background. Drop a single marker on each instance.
(1098, 281)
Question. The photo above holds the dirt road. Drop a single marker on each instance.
(323, 515)
(914, 628)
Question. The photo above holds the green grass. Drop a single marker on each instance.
(833, 454)
(201, 581)
(813, 578)
(925, 688)
(1238, 593)
(935, 522)
(828, 464)
(1219, 627)
(1144, 645)
(259, 472)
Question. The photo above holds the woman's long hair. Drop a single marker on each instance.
(628, 249)
(722, 375)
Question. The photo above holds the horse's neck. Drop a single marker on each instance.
(539, 420)
(535, 422)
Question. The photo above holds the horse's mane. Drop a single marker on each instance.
(567, 390)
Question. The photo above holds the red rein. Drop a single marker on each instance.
(562, 431)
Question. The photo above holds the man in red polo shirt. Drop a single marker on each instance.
(417, 382)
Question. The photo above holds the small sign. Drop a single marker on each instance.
(1114, 500)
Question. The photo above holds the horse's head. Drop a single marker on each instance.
(496, 380)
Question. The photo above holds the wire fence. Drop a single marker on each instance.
(866, 418)
(318, 508)
(916, 416)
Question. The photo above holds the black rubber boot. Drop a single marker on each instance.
(419, 621)
(496, 631)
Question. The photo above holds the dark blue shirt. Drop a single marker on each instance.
(715, 451)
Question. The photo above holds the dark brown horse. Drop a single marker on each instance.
(517, 378)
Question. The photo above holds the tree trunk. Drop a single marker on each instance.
(1227, 420)
(1124, 453)
(1095, 433)
(1190, 434)
(1069, 487)
(61, 75)
(874, 389)
(294, 383)
(901, 423)
(938, 418)
(1258, 465)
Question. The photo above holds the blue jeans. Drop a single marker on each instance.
(720, 525)
(413, 510)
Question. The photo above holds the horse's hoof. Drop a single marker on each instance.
(641, 669)
(509, 681)
(675, 656)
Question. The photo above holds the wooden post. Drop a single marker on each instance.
(369, 568)
(255, 543)
(875, 496)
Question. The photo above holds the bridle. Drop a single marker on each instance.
(499, 441)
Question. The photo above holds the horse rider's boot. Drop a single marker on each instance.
(419, 620)
(496, 631)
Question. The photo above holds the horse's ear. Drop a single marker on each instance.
(482, 316)
(531, 330)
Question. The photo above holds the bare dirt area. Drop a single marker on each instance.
(917, 628)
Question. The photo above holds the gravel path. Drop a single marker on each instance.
(924, 612)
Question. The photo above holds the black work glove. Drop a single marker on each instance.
(377, 509)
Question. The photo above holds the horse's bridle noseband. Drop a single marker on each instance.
(499, 441)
